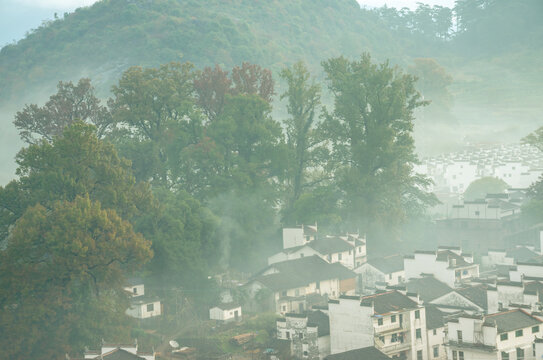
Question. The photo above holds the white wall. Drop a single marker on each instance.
(136, 290)
(217, 313)
(526, 270)
(437, 340)
(351, 325)
(293, 237)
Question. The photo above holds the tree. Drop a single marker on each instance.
(535, 139)
(433, 82)
(251, 79)
(62, 277)
(70, 104)
(370, 132)
(76, 163)
(155, 117)
(212, 86)
(303, 98)
(479, 188)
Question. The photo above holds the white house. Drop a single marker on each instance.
(308, 333)
(119, 351)
(225, 312)
(391, 321)
(526, 270)
(290, 286)
(505, 335)
(510, 294)
(299, 235)
(446, 264)
(141, 306)
(377, 273)
(436, 333)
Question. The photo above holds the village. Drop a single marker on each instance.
(326, 297)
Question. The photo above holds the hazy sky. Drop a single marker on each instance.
(19, 16)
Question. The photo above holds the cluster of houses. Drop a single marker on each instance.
(336, 303)
(519, 165)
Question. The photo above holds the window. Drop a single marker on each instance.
(465, 272)
(394, 338)
(435, 332)
(284, 307)
(301, 335)
(477, 213)
(460, 355)
(288, 335)
(519, 333)
(418, 334)
(520, 354)
(339, 256)
(306, 353)
(359, 249)
(297, 292)
(503, 337)
(135, 290)
(150, 307)
(455, 355)
(419, 355)
(283, 293)
(393, 318)
(436, 351)
(535, 329)
(382, 339)
(380, 321)
(417, 314)
(350, 252)
(459, 335)
(505, 356)
(302, 255)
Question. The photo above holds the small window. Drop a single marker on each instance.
(288, 335)
(284, 308)
(297, 292)
(417, 314)
(359, 249)
(306, 353)
(455, 355)
(505, 356)
(339, 257)
(135, 290)
(283, 293)
(350, 252)
(419, 355)
(535, 329)
(460, 355)
(302, 255)
(435, 332)
(477, 213)
(436, 351)
(150, 307)
(418, 334)
(380, 321)
(393, 318)
(382, 339)
(503, 337)
(520, 354)
(519, 333)
(459, 335)
(394, 338)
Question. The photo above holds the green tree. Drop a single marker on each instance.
(62, 276)
(370, 132)
(76, 163)
(479, 188)
(303, 99)
(433, 82)
(155, 117)
(70, 104)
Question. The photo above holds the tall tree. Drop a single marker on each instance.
(61, 279)
(303, 100)
(370, 132)
(76, 163)
(252, 79)
(212, 86)
(71, 103)
(155, 117)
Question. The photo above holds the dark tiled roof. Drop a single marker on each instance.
(447, 255)
(522, 254)
(388, 264)
(511, 320)
(475, 294)
(301, 272)
(367, 353)
(434, 317)
(321, 320)
(534, 288)
(388, 302)
(428, 288)
(330, 245)
(228, 306)
(132, 281)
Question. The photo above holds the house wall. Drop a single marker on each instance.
(139, 311)
(136, 290)
(367, 277)
(510, 294)
(324, 346)
(293, 237)
(426, 263)
(347, 259)
(526, 270)
(437, 341)
(514, 342)
(224, 315)
(496, 258)
(351, 325)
